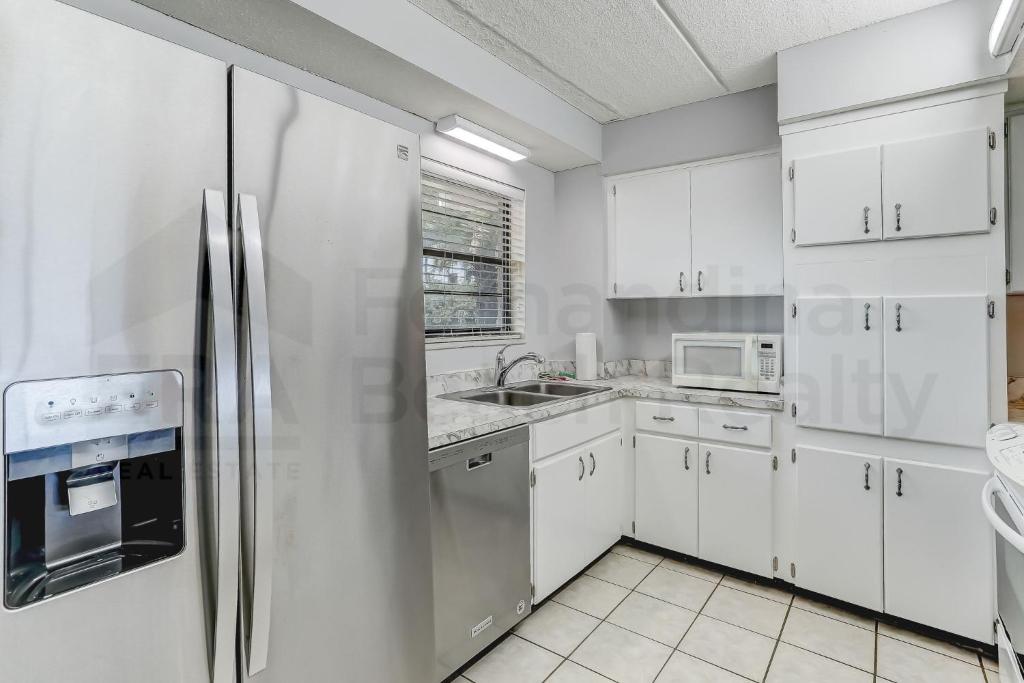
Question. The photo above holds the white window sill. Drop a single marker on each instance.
(468, 342)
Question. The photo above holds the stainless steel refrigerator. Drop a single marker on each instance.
(211, 353)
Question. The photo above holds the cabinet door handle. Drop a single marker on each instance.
(866, 228)
(740, 428)
(593, 464)
(867, 483)
(686, 458)
(700, 280)
(867, 319)
(899, 317)
(899, 482)
(664, 419)
(899, 208)
(707, 462)
(682, 287)
(583, 469)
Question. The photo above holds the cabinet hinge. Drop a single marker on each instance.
(792, 235)
(634, 441)
(634, 528)
(615, 288)
(533, 478)
(992, 310)
(991, 139)
(793, 409)
(792, 311)
(792, 569)
(620, 440)
(613, 190)
(1006, 129)
(775, 463)
(533, 591)
(792, 171)
(1009, 276)
(775, 564)
(992, 215)
(792, 456)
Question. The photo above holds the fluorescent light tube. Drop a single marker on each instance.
(1005, 27)
(468, 132)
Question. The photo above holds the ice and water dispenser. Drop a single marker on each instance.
(94, 480)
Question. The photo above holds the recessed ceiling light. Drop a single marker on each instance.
(468, 132)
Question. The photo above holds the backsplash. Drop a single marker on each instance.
(484, 377)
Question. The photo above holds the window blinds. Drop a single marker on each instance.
(473, 261)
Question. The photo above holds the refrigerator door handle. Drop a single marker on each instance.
(225, 382)
(258, 334)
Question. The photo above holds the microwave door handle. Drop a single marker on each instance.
(220, 324)
(994, 488)
(257, 640)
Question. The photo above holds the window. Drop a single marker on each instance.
(473, 257)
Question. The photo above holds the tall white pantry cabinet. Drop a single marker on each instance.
(895, 355)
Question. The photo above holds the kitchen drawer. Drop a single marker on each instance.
(666, 418)
(572, 429)
(751, 429)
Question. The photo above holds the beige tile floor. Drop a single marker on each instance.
(635, 617)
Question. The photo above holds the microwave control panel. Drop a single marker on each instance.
(769, 359)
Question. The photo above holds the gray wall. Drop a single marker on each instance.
(733, 124)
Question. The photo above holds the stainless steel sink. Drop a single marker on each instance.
(557, 388)
(525, 394)
(506, 397)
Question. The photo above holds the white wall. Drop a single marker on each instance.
(935, 49)
(732, 124)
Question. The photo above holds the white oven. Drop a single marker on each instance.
(737, 362)
(1003, 503)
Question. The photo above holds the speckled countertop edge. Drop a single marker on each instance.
(453, 421)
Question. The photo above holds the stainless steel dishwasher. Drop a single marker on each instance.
(480, 521)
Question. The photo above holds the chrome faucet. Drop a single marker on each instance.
(501, 368)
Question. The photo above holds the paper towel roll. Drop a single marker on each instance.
(586, 355)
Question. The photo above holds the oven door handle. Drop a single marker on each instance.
(993, 487)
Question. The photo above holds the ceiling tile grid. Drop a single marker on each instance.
(615, 59)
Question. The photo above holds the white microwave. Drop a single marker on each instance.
(737, 362)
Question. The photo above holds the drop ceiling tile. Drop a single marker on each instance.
(739, 38)
(610, 58)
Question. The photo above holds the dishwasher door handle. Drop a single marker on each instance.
(479, 461)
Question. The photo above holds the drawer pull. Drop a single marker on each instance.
(741, 428)
(478, 462)
(664, 419)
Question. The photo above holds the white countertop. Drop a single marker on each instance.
(451, 421)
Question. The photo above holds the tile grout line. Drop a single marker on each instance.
(874, 674)
(687, 631)
(775, 648)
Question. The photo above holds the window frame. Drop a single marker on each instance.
(507, 330)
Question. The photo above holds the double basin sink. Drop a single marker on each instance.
(525, 394)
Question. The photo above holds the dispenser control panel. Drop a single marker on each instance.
(39, 414)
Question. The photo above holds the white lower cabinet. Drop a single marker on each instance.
(666, 500)
(839, 525)
(559, 499)
(735, 508)
(938, 548)
(577, 498)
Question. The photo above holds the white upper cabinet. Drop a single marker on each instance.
(837, 197)
(666, 492)
(937, 185)
(938, 548)
(651, 224)
(736, 219)
(839, 525)
(839, 363)
(936, 369)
